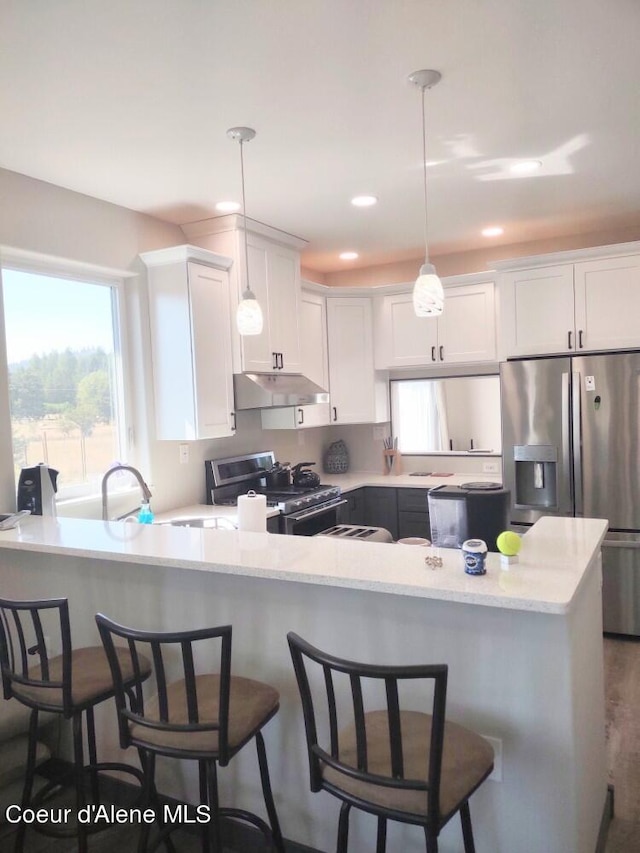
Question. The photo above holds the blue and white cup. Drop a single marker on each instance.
(474, 553)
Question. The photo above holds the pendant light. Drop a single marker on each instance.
(428, 295)
(249, 318)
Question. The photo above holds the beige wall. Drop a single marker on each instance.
(477, 260)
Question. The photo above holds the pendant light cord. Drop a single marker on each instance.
(244, 218)
(424, 169)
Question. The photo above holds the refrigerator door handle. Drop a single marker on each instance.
(566, 492)
(576, 421)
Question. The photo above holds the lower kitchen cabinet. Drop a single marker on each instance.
(273, 524)
(381, 508)
(353, 511)
(413, 513)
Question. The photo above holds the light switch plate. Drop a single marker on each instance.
(184, 454)
(379, 433)
(489, 467)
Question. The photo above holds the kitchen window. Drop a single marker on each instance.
(449, 415)
(66, 389)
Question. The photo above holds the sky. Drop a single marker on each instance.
(43, 314)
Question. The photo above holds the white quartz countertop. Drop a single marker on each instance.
(556, 554)
(358, 479)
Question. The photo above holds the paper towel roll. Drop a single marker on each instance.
(252, 512)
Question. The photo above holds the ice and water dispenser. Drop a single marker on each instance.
(536, 476)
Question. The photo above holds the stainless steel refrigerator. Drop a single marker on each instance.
(571, 447)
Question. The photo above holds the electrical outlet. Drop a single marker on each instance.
(379, 433)
(184, 454)
(496, 744)
(490, 467)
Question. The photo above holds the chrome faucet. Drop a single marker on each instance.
(146, 492)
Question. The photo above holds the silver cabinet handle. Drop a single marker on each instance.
(433, 353)
(569, 336)
(441, 353)
(335, 414)
(580, 344)
(233, 421)
(274, 360)
(301, 413)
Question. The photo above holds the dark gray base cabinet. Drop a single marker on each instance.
(413, 513)
(353, 511)
(381, 508)
(403, 512)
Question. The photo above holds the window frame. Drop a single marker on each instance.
(78, 271)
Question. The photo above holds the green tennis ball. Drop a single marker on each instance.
(509, 543)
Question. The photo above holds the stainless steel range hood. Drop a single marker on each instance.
(271, 391)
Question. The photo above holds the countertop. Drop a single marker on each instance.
(556, 555)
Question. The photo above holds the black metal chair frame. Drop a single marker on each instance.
(15, 617)
(207, 761)
(318, 756)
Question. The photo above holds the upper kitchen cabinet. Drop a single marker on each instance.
(315, 366)
(190, 319)
(608, 303)
(591, 304)
(464, 333)
(358, 393)
(537, 308)
(274, 276)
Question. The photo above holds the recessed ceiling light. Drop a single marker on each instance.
(364, 200)
(492, 231)
(227, 206)
(348, 256)
(525, 167)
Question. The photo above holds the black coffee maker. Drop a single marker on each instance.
(37, 489)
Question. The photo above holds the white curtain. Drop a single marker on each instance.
(419, 415)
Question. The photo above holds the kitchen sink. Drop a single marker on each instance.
(215, 522)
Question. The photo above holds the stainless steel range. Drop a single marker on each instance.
(304, 510)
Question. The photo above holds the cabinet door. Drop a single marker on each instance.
(538, 316)
(191, 342)
(210, 322)
(283, 279)
(357, 395)
(257, 352)
(315, 365)
(608, 303)
(413, 524)
(353, 511)
(402, 339)
(381, 508)
(466, 329)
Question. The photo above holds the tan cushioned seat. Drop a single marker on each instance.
(466, 759)
(250, 702)
(90, 677)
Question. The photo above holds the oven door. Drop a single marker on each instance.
(308, 522)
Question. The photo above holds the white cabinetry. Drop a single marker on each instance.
(190, 324)
(274, 276)
(583, 306)
(315, 366)
(465, 333)
(608, 303)
(358, 393)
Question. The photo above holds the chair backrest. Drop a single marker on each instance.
(173, 657)
(323, 702)
(28, 631)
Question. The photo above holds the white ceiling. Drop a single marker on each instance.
(130, 102)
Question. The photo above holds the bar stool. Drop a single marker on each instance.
(206, 717)
(401, 765)
(71, 684)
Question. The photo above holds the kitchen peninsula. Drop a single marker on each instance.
(524, 648)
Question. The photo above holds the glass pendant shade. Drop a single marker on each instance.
(249, 318)
(428, 294)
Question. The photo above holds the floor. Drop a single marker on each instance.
(622, 690)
